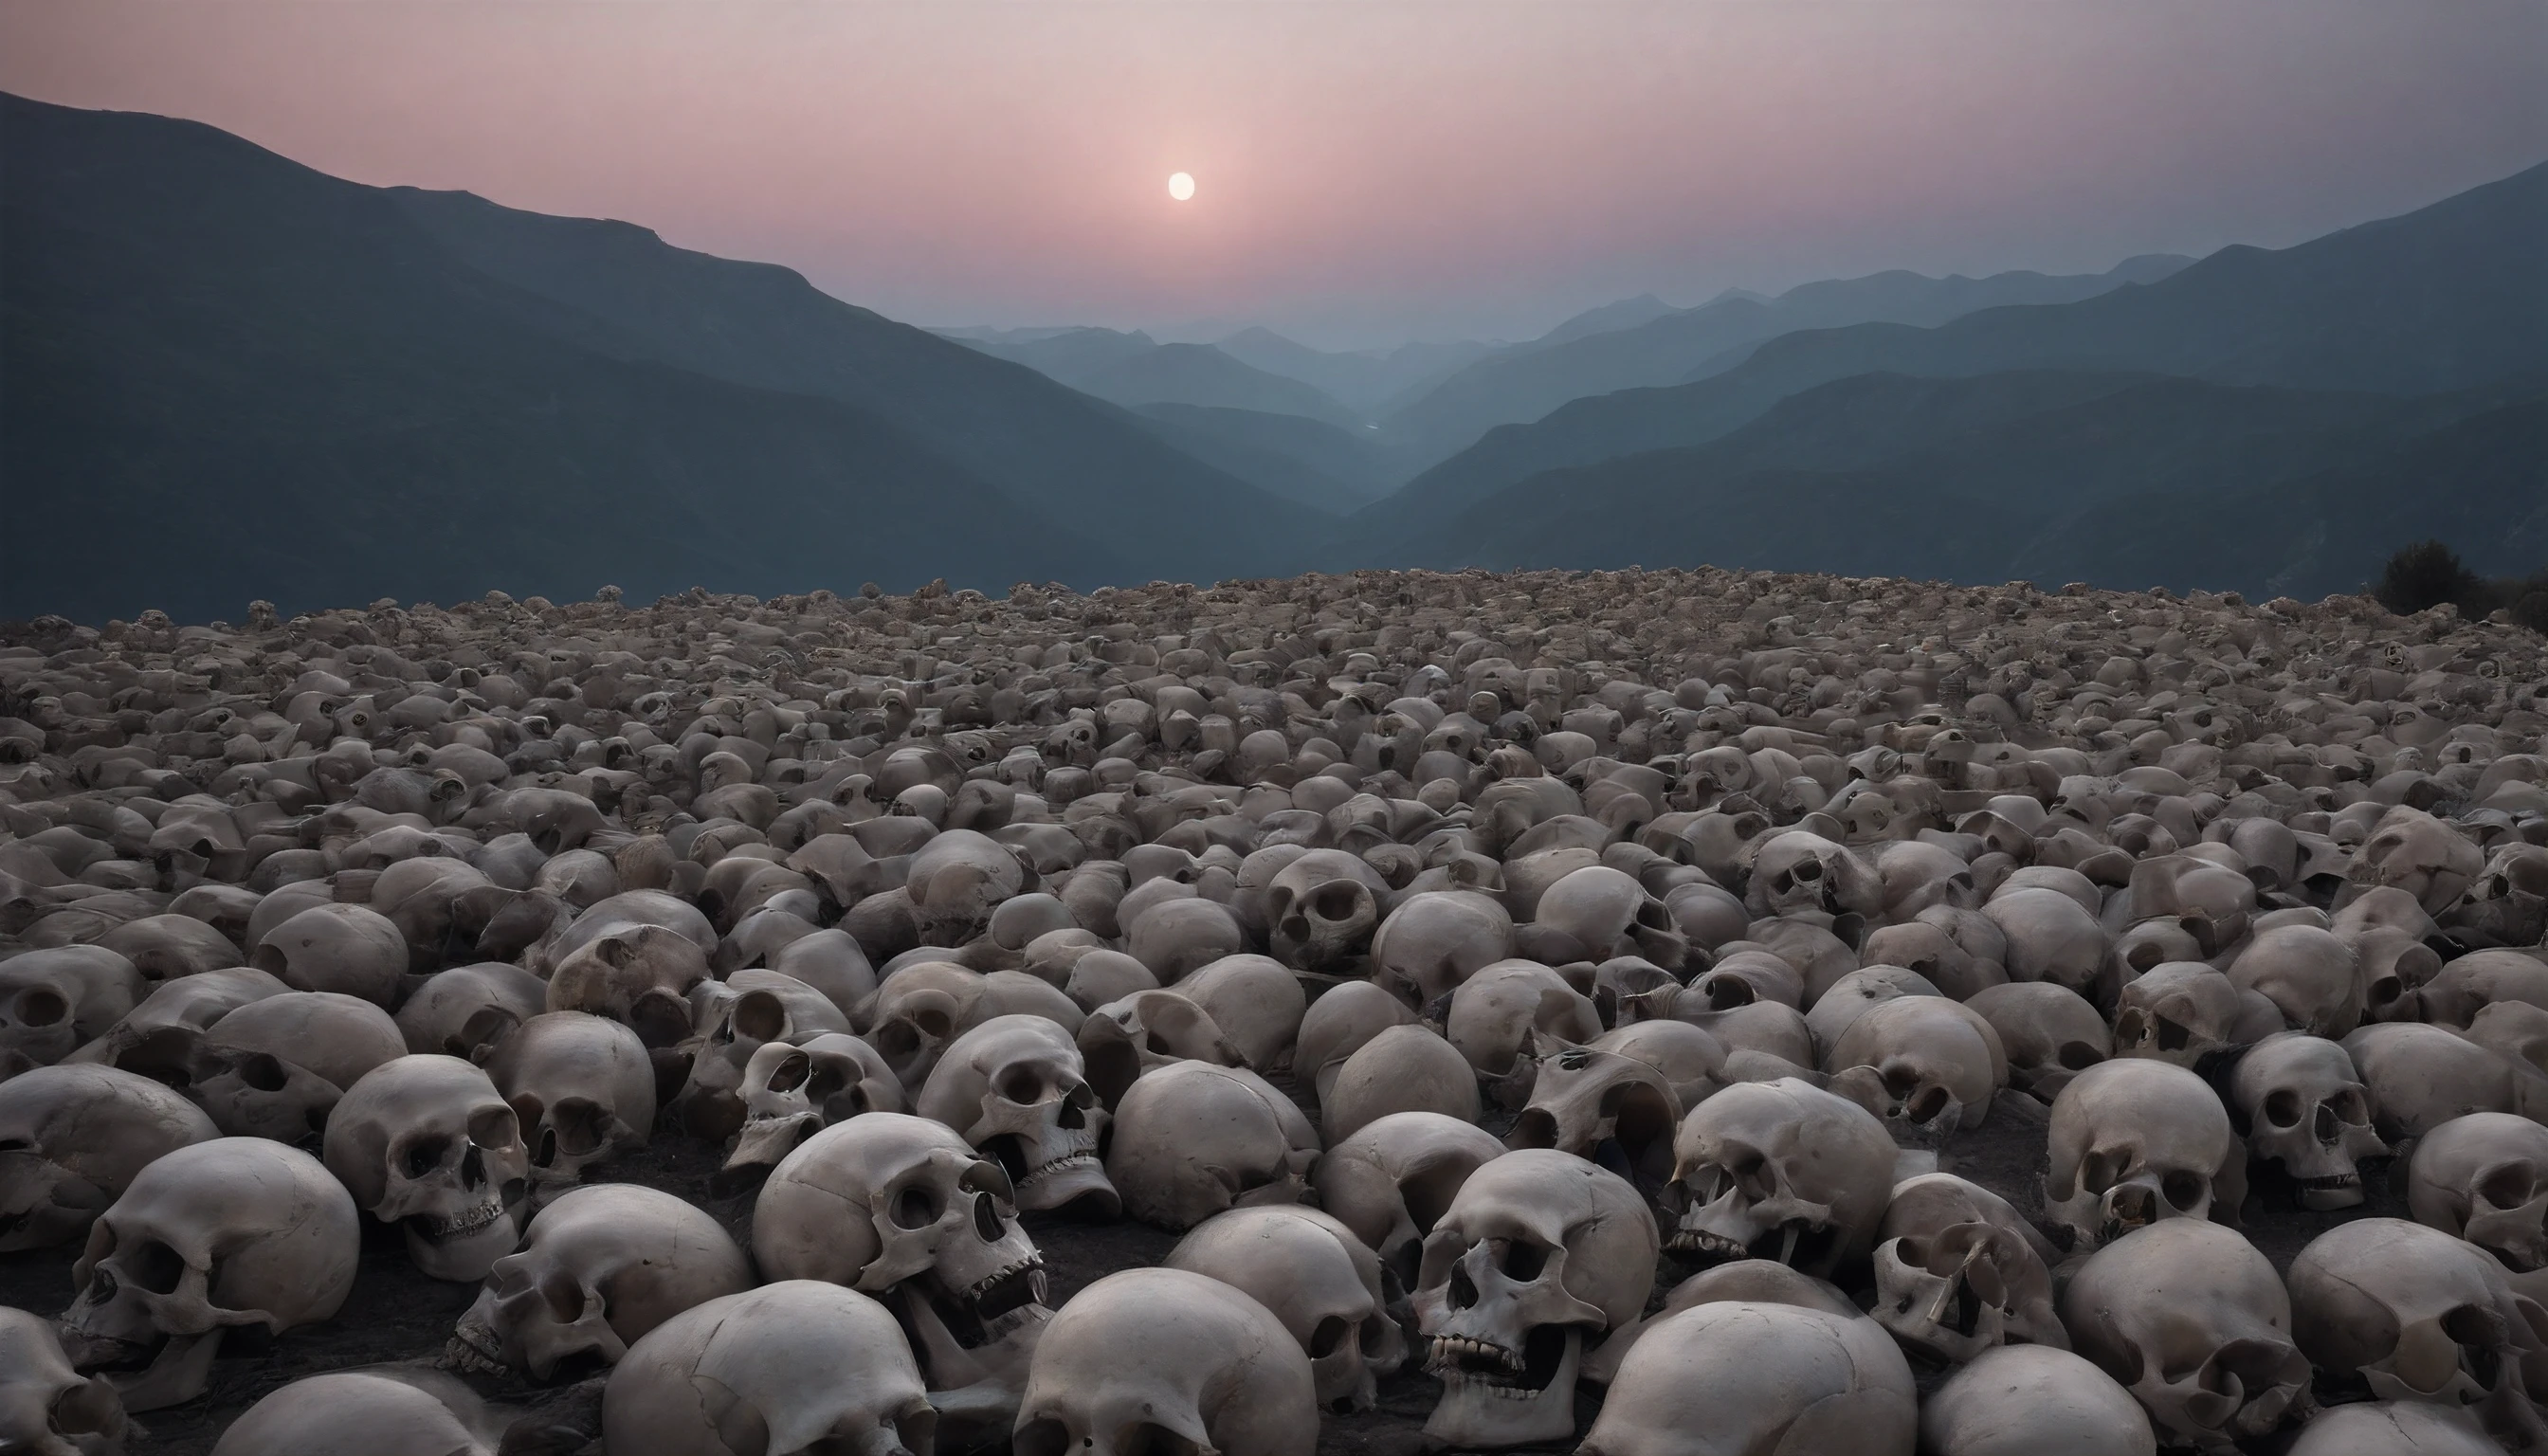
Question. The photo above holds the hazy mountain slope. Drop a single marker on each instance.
(760, 324)
(1304, 460)
(2007, 478)
(1369, 381)
(2445, 297)
(2480, 484)
(1133, 368)
(231, 377)
(1582, 357)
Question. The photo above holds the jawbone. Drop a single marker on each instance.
(1488, 1402)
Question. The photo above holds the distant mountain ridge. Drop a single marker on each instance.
(2448, 297)
(1583, 358)
(1132, 369)
(231, 375)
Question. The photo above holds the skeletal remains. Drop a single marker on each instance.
(1622, 994)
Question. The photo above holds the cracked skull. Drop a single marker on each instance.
(1012, 1088)
(426, 1142)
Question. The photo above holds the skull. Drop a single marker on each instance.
(1146, 1030)
(2484, 1177)
(426, 1142)
(2189, 1317)
(1701, 1381)
(1391, 1181)
(1598, 913)
(73, 1137)
(1494, 1012)
(1323, 908)
(2134, 1142)
(582, 1090)
(902, 1208)
(277, 1066)
(2308, 1111)
(1920, 1061)
(956, 880)
(2050, 1034)
(1782, 1170)
(387, 1411)
(1436, 939)
(465, 1011)
(2421, 1316)
(2183, 1011)
(348, 948)
(1847, 999)
(791, 1368)
(2422, 1076)
(1192, 1138)
(52, 1000)
(1540, 1254)
(1404, 1069)
(158, 1037)
(2020, 1400)
(47, 1409)
(1584, 1098)
(235, 1231)
(1337, 1024)
(597, 1269)
(1013, 1087)
(1324, 1285)
(2411, 851)
(790, 1093)
(1959, 1272)
(729, 1021)
(1257, 1001)
(917, 1011)
(1156, 1360)
(2311, 974)
(1796, 871)
(2392, 1428)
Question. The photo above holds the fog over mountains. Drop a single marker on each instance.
(231, 377)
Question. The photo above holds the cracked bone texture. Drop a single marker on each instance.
(1445, 831)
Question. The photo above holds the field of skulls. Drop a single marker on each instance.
(1647, 1014)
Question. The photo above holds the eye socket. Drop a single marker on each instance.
(154, 1266)
(916, 1207)
(425, 1154)
(2282, 1108)
(1522, 1260)
(1019, 1083)
(2508, 1186)
(2183, 1190)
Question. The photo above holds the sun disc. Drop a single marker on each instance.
(1181, 186)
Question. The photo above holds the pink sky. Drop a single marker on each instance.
(1368, 171)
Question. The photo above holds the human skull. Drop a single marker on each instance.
(2134, 1142)
(277, 1066)
(385, 1412)
(2421, 1316)
(793, 1367)
(1390, 1181)
(1193, 1139)
(2050, 1034)
(1958, 1271)
(2311, 976)
(1433, 939)
(1920, 1062)
(2308, 1111)
(2022, 1399)
(1324, 1285)
(582, 1090)
(1539, 1256)
(1013, 1087)
(465, 1011)
(2484, 1177)
(1151, 1360)
(730, 1020)
(73, 1137)
(1337, 1024)
(1323, 908)
(2411, 851)
(902, 1208)
(47, 1409)
(2422, 1076)
(2189, 1317)
(1780, 1171)
(233, 1232)
(1797, 871)
(426, 1142)
(792, 1092)
(52, 1000)
(1405, 1068)
(2183, 1011)
(1746, 1376)
(597, 1268)
(1585, 1098)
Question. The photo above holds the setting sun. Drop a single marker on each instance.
(1181, 186)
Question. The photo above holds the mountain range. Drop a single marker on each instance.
(229, 376)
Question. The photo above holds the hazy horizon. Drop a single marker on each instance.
(1367, 176)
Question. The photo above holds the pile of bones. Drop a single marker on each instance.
(1562, 997)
